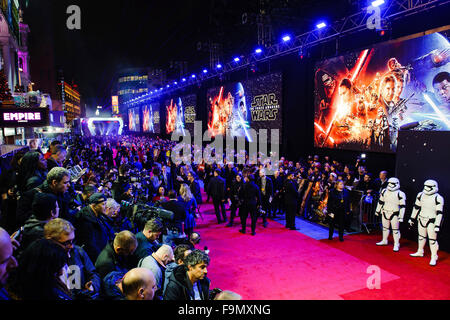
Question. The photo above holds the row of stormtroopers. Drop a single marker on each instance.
(427, 211)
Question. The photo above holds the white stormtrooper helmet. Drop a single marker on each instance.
(430, 187)
(393, 184)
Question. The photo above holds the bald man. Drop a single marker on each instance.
(117, 256)
(157, 263)
(227, 295)
(7, 261)
(139, 284)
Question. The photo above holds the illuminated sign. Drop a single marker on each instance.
(115, 104)
(32, 117)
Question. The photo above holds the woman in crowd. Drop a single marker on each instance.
(338, 208)
(42, 272)
(190, 205)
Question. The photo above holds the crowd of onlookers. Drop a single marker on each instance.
(76, 221)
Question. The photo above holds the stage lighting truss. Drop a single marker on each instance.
(390, 10)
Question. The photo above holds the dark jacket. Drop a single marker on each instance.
(33, 229)
(251, 195)
(195, 189)
(24, 204)
(179, 286)
(110, 291)
(51, 163)
(108, 261)
(93, 233)
(88, 273)
(236, 192)
(216, 188)
(178, 210)
(145, 247)
(290, 192)
(338, 202)
(269, 188)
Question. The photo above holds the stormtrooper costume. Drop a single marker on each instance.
(428, 211)
(391, 205)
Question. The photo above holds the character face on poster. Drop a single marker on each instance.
(362, 99)
(234, 108)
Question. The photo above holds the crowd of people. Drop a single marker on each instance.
(115, 219)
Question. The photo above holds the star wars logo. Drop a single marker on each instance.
(189, 115)
(265, 107)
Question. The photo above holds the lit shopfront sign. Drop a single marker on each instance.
(24, 117)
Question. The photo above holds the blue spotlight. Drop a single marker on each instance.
(219, 66)
(236, 59)
(193, 76)
(286, 38)
(377, 3)
(184, 79)
(258, 50)
(321, 25)
(205, 71)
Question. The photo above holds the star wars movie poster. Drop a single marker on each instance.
(362, 99)
(133, 120)
(236, 107)
(181, 114)
(150, 118)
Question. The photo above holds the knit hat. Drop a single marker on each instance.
(97, 198)
(43, 204)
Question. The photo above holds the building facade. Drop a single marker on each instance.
(134, 82)
(71, 101)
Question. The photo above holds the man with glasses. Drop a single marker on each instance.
(85, 282)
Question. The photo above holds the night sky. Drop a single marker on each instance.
(130, 33)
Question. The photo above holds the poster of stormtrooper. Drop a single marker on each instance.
(428, 213)
(391, 207)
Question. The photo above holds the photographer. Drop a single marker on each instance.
(122, 180)
(148, 239)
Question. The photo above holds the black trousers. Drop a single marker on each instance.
(219, 206)
(267, 207)
(339, 220)
(290, 214)
(233, 210)
(246, 210)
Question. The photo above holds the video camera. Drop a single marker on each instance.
(140, 213)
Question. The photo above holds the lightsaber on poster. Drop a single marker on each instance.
(436, 109)
(180, 117)
(362, 60)
(240, 97)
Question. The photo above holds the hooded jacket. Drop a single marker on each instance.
(180, 287)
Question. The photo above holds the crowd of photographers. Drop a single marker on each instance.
(108, 219)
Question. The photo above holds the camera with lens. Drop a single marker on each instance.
(140, 213)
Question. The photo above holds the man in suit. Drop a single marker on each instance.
(266, 186)
(290, 200)
(179, 211)
(216, 188)
(251, 196)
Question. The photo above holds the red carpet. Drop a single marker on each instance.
(281, 264)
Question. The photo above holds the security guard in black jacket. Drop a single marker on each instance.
(236, 202)
(266, 186)
(251, 198)
(290, 200)
(216, 188)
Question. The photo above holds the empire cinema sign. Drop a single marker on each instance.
(24, 117)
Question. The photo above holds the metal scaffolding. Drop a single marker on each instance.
(393, 10)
